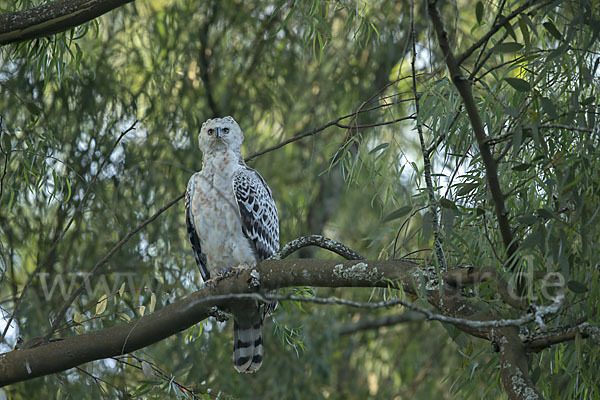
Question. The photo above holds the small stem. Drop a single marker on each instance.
(433, 203)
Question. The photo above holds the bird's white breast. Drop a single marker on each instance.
(216, 215)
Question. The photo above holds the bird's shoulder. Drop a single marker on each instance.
(250, 179)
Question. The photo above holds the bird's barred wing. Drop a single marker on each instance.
(192, 233)
(260, 223)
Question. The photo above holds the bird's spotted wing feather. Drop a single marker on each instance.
(193, 234)
(260, 223)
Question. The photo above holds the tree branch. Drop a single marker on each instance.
(428, 314)
(336, 122)
(585, 330)
(320, 241)
(433, 203)
(62, 354)
(56, 356)
(50, 18)
(491, 168)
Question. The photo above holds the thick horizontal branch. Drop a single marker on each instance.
(62, 354)
(56, 356)
(50, 18)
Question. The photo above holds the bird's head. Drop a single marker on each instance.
(220, 134)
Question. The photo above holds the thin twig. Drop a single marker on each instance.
(314, 131)
(374, 124)
(6, 156)
(481, 63)
(376, 323)
(395, 249)
(539, 312)
(484, 45)
(567, 127)
(487, 236)
(157, 371)
(442, 137)
(98, 379)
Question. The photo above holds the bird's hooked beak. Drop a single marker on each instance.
(218, 134)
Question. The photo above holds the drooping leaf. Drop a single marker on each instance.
(379, 147)
(466, 188)
(101, 305)
(544, 213)
(521, 167)
(449, 204)
(479, 11)
(519, 84)
(508, 47)
(427, 222)
(152, 302)
(525, 32)
(548, 107)
(576, 287)
(399, 213)
(550, 27)
(33, 108)
(148, 370)
(527, 220)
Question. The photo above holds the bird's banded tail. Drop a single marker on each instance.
(248, 345)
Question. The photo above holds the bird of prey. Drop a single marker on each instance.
(232, 222)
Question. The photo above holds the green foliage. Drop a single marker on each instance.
(282, 68)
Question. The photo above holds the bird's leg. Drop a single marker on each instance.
(254, 280)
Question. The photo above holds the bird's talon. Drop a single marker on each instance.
(219, 315)
(212, 283)
(241, 268)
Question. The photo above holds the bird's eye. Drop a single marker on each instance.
(211, 132)
(226, 130)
